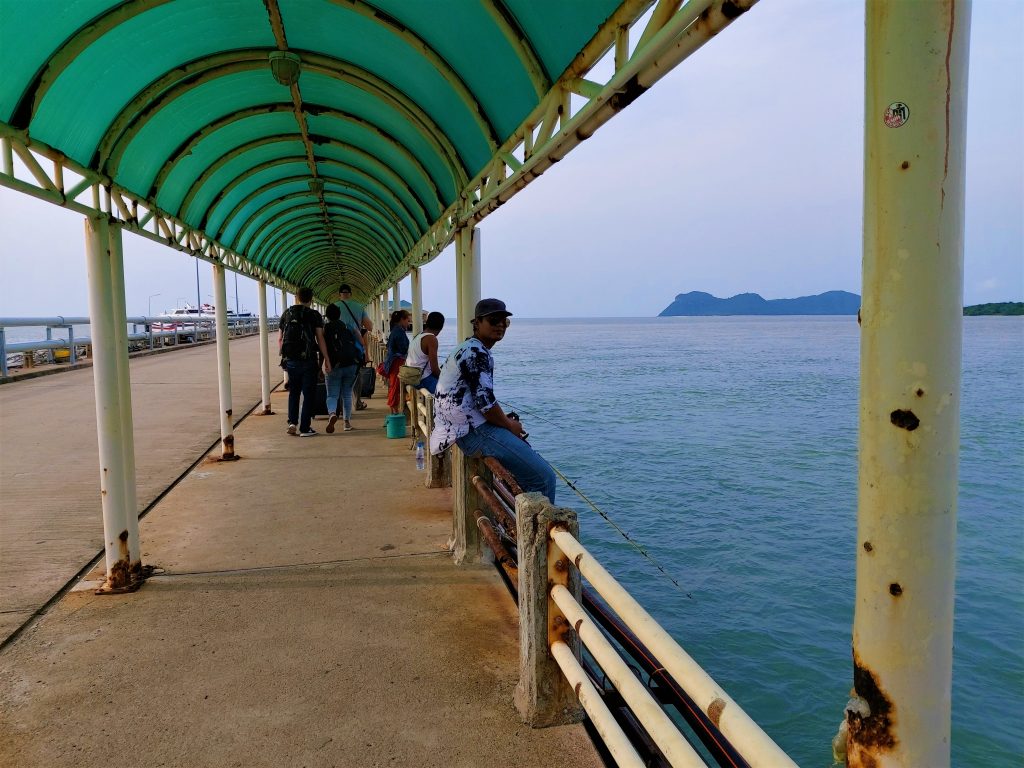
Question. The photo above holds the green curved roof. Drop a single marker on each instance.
(400, 104)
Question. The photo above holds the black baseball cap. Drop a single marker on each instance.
(491, 307)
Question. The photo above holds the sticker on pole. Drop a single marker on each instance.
(896, 114)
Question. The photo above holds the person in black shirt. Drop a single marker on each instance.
(301, 342)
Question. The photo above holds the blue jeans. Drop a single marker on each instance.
(430, 384)
(527, 466)
(302, 378)
(341, 379)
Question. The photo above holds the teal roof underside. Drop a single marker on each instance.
(398, 105)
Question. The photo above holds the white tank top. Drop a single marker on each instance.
(417, 357)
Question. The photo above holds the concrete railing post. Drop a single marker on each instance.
(543, 696)
(465, 502)
(438, 467)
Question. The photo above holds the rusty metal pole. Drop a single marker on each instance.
(417, 301)
(264, 350)
(227, 437)
(108, 409)
(398, 295)
(915, 112)
(463, 329)
(124, 388)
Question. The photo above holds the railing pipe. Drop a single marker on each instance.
(506, 518)
(735, 724)
(611, 734)
(650, 714)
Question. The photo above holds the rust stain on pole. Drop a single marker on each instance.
(905, 420)
(715, 709)
(871, 733)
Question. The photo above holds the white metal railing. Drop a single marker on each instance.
(154, 329)
(756, 747)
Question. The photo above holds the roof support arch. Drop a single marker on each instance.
(292, 242)
(394, 178)
(295, 219)
(395, 203)
(392, 225)
(150, 100)
(370, 226)
(457, 171)
(317, 140)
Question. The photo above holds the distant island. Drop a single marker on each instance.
(1001, 308)
(698, 303)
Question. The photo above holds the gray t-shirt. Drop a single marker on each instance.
(352, 314)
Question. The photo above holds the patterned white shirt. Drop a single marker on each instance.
(465, 389)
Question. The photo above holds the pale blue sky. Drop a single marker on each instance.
(739, 171)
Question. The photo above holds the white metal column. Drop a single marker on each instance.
(227, 437)
(124, 388)
(417, 301)
(264, 350)
(911, 313)
(467, 276)
(108, 409)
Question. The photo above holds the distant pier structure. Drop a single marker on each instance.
(316, 142)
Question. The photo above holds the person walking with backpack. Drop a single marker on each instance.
(353, 314)
(301, 342)
(344, 356)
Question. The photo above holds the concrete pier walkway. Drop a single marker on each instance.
(307, 614)
(51, 522)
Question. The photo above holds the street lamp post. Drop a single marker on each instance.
(149, 305)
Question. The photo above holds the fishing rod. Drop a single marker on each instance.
(607, 518)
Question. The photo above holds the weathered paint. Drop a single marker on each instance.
(227, 438)
(911, 324)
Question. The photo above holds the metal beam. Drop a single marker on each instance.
(305, 220)
(369, 226)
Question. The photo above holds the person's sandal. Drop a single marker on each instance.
(360, 406)
(331, 422)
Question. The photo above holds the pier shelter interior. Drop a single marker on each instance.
(320, 142)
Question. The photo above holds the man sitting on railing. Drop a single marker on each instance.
(467, 413)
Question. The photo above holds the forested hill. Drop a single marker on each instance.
(698, 303)
(1001, 308)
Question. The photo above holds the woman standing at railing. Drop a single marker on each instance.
(398, 349)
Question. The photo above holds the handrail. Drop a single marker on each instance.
(741, 731)
(156, 328)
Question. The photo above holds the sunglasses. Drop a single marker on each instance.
(497, 320)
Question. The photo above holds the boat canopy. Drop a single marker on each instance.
(314, 142)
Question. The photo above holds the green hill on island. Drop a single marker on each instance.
(1000, 308)
(698, 303)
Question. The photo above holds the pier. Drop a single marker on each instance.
(314, 602)
(305, 610)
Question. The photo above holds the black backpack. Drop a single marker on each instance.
(297, 342)
(341, 343)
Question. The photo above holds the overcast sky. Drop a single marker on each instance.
(739, 171)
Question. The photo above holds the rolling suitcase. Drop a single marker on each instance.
(367, 381)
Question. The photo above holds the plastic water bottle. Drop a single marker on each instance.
(421, 460)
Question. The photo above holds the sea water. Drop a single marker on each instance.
(726, 447)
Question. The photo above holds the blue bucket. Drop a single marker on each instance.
(396, 425)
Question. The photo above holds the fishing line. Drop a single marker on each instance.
(629, 539)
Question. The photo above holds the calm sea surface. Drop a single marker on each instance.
(727, 447)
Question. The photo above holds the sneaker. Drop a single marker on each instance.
(292, 429)
(331, 422)
(308, 433)
(348, 425)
